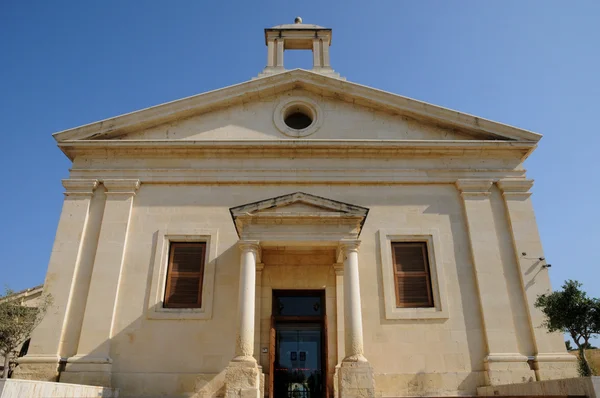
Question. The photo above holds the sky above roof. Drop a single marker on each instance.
(530, 64)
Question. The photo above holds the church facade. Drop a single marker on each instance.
(296, 235)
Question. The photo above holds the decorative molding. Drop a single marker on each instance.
(474, 187)
(80, 187)
(121, 187)
(508, 357)
(338, 268)
(336, 220)
(297, 148)
(436, 268)
(555, 357)
(250, 246)
(315, 111)
(293, 175)
(515, 188)
(154, 306)
(346, 246)
(297, 78)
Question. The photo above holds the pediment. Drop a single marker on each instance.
(213, 116)
(301, 210)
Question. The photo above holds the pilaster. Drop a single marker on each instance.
(92, 364)
(551, 360)
(504, 364)
(41, 363)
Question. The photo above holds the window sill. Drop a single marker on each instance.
(417, 313)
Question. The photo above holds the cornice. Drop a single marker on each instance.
(299, 148)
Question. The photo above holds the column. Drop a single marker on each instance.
(244, 349)
(92, 364)
(355, 376)
(316, 49)
(242, 376)
(504, 363)
(279, 56)
(325, 48)
(353, 314)
(41, 362)
(551, 360)
(270, 53)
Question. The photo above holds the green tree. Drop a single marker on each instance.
(571, 311)
(16, 324)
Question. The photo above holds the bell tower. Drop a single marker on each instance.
(298, 36)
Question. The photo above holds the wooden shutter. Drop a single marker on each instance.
(185, 275)
(411, 274)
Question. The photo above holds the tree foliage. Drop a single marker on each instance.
(571, 311)
(16, 324)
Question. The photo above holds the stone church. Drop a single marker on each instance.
(296, 235)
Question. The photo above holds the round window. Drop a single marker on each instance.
(297, 117)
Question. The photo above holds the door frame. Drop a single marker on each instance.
(321, 319)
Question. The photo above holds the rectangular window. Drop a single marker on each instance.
(411, 275)
(185, 275)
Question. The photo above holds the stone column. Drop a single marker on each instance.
(92, 364)
(504, 364)
(551, 360)
(355, 377)
(41, 362)
(242, 376)
(279, 54)
(270, 53)
(316, 48)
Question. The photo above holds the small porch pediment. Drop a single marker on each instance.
(298, 217)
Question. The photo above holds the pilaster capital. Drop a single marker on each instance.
(250, 246)
(260, 267)
(121, 187)
(515, 189)
(474, 187)
(76, 187)
(338, 268)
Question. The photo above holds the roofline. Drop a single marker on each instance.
(266, 86)
(27, 291)
(309, 148)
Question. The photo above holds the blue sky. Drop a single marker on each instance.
(531, 64)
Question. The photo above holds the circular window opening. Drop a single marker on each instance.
(298, 117)
(298, 121)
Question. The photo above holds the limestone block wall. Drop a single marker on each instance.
(408, 355)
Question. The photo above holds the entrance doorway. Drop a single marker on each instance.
(298, 344)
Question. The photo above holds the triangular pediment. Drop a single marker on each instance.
(182, 119)
(298, 203)
(298, 208)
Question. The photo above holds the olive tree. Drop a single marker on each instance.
(571, 311)
(16, 324)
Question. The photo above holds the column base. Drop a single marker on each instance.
(243, 379)
(43, 368)
(507, 369)
(355, 379)
(87, 370)
(555, 366)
